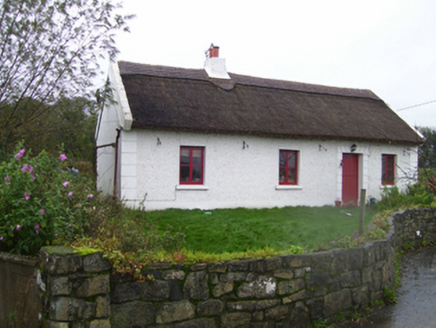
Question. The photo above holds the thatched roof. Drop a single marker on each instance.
(169, 98)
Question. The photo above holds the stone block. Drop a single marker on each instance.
(198, 267)
(295, 297)
(196, 286)
(222, 288)
(360, 296)
(197, 323)
(159, 266)
(126, 292)
(132, 314)
(251, 306)
(258, 266)
(261, 287)
(290, 286)
(351, 279)
(258, 316)
(69, 309)
(62, 264)
(316, 280)
(284, 273)
(175, 291)
(175, 311)
(96, 263)
(96, 285)
(233, 276)
(321, 261)
(273, 263)
(355, 258)
(102, 323)
(210, 308)
(337, 302)
(217, 268)
(296, 261)
(277, 313)
(155, 290)
(102, 307)
(238, 266)
(339, 261)
(300, 316)
(235, 320)
(55, 324)
(59, 286)
(173, 275)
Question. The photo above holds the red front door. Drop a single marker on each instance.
(350, 178)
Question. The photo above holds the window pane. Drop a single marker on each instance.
(390, 162)
(282, 159)
(282, 175)
(196, 173)
(291, 175)
(196, 156)
(184, 173)
(291, 159)
(383, 162)
(184, 156)
(390, 177)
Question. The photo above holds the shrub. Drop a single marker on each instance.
(41, 202)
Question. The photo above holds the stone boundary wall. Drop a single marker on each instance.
(290, 290)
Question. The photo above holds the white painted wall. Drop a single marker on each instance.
(237, 177)
(116, 115)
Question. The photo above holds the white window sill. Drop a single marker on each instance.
(288, 187)
(387, 186)
(191, 187)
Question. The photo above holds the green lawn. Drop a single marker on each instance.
(239, 230)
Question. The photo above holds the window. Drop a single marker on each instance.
(388, 169)
(288, 167)
(191, 165)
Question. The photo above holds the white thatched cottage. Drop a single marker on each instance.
(205, 138)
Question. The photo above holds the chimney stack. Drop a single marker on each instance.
(215, 67)
(214, 51)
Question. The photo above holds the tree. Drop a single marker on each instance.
(427, 151)
(50, 50)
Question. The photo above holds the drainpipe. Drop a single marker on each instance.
(116, 162)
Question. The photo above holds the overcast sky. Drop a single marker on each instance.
(387, 46)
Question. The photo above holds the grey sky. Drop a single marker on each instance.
(387, 46)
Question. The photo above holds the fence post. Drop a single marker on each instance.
(362, 211)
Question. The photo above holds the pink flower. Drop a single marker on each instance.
(18, 227)
(1, 238)
(20, 154)
(42, 212)
(90, 196)
(36, 226)
(37, 232)
(65, 184)
(27, 196)
(27, 168)
(8, 178)
(63, 157)
(70, 194)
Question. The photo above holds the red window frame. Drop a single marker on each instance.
(388, 169)
(288, 166)
(191, 166)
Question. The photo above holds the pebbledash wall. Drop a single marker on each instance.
(289, 290)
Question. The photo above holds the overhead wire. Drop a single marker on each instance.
(418, 105)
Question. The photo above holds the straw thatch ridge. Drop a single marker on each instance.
(170, 98)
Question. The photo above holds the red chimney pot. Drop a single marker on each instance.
(214, 51)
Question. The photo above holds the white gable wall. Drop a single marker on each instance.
(237, 177)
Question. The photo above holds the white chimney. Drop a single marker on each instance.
(215, 67)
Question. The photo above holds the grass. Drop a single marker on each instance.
(240, 230)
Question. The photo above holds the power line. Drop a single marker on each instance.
(422, 104)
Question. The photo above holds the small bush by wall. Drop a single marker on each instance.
(290, 290)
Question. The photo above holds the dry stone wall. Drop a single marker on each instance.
(289, 290)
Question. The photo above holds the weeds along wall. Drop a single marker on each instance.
(295, 290)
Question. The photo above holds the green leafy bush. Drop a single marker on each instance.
(41, 202)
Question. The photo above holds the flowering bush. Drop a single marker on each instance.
(40, 202)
